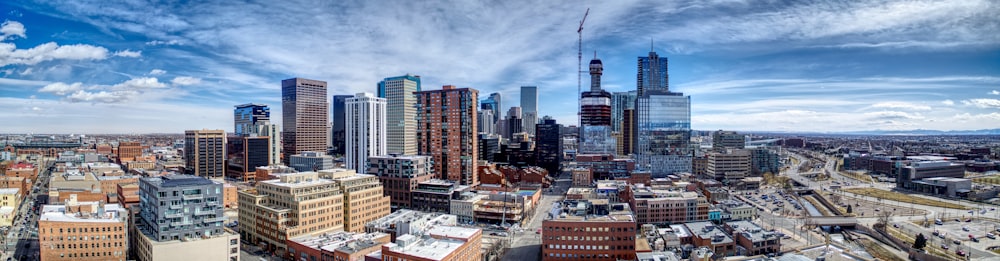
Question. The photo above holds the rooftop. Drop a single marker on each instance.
(752, 231)
(6, 191)
(594, 210)
(453, 232)
(706, 229)
(110, 213)
(429, 248)
(335, 240)
(178, 180)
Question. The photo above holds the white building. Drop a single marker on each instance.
(365, 127)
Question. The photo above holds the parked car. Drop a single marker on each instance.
(959, 252)
(991, 236)
(957, 242)
(944, 246)
(965, 228)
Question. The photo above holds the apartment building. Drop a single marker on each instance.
(82, 231)
(293, 205)
(663, 205)
(589, 230)
(400, 174)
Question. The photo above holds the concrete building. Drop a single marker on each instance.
(366, 130)
(273, 134)
(405, 221)
(443, 243)
(464, 206)
(10, 201)
(205, 153)
(289, 207)
(529, 107)
(722, 140)
(446, 131)
(661, 205)
(401, 112)
(706, 234)
(485, 124)
(61, 228)
(311, 161)
(753, 238)
(304, 115)
(928, 169)
(400, 175)
(177, 207)
(364, 200)
(589, 230)
(730, 165)
(339, 246)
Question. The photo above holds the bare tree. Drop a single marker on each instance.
(883, 220)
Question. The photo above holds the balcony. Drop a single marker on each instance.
(178, 206)
(216, 219)
(193, 197)
(181, 223)
(173, 215)
(199, 212)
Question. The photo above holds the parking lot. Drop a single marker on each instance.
(952, 230)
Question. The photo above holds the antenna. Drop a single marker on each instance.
(579, 72)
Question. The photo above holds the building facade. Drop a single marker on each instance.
(589, 230)
(246, 118)
(652, 74)
(338, 136)
(401, 112)
(447, 132)
(180, 207)
(664, 132)
(529, 107)
(82, 231)
(400, 174)
(364, 200)
(366, 130)
(304, 116)
(293, 205)
(205, 153)
(548, 150)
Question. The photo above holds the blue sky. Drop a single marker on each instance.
(101, 67)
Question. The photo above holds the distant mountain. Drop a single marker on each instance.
(916, 132)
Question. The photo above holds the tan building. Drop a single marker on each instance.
(229, 197)
(582, 177)
(24, 185)
(731, 165)
(128, 194)
(205, 153)
(129, 151)
(446, 131)
(663, 205)
(217, 247)
(82, 231)
(305, 114)
(363, 197)
(444, 243)
(10, 199)
(293, 205)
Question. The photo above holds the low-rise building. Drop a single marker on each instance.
(82, 231)
(582, 177)
(445, 243)
(753, 239)
(464, 207)
(589, 230)
(662, 205)
(405, 221)
(706, 234)
(338, 246)
(400, 174)
(311, 161)
(435, 195)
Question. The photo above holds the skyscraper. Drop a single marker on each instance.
(304, 115)
(621, 101)
(205, 153)
(273, 134)
(595, 115)
(547, 147)
(664, 132)
(529, 108)
(366, 130)
(446, 131)
(652, 73)
(493, 103)
(247, 116)
(485, 123)
(337, 135)
(402, 112)
(513, 123)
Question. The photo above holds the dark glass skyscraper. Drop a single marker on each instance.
(547, 147)
(664, 132)
(529, 108)
(338, 132)
(247, 116)
(652, 73)
(494, 104)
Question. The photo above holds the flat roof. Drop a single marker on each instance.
(706, 229)
(429, 248)
(453, 232)
(57, 213)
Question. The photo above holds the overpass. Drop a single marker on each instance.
(831, 221)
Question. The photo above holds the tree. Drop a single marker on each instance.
(920, 242)
(849, 209)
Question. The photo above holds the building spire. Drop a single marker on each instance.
(650, 44)
(595, 54)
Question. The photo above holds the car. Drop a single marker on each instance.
(944, 246)
(965, 228)
(959, 252)
(935, 233)
(991, 236)
(968, 220)
(958, 220)
(957, 242)
(974, 239)
(539, 231)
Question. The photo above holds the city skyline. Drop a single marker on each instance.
(810, 67)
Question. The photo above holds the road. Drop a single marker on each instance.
(21, 240)
(527, 245)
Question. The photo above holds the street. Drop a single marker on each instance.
(527, 245)
(21, 239)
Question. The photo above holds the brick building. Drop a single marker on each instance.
(589, 230)
(446, 130)
(62, 228)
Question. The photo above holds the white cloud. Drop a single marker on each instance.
(101, 96)
(9, 29)
(988, 117)
(948, 102)
(158, 42)
(994, 92)
(157, 72)
(893, 115)
(26, 72)
(185, 80)
(139, 84)
(9, 54)
(901, 105)
(36, 108)
(983, 103)
(62, 88)
(128, 53)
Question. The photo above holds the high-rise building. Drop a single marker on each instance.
(529, 108)
(652, 74)
(273, 134)
(245, 154)
(290, 207)
(485, 123)
(338, 136)
(188, 207)
(366, 130)
(402, 112)
(493, 103)
(727, 139)
(304, 115)
(664, 132)
(595, 115)
(628, 132)
(512, 123)
(205, 153)
(729, 165)
(489, 145)
(400, 175)
(447, 132)
(246, 117)
(547, 148)
(82, 231)
(621, 101)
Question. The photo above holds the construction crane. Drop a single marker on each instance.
(579, 72)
